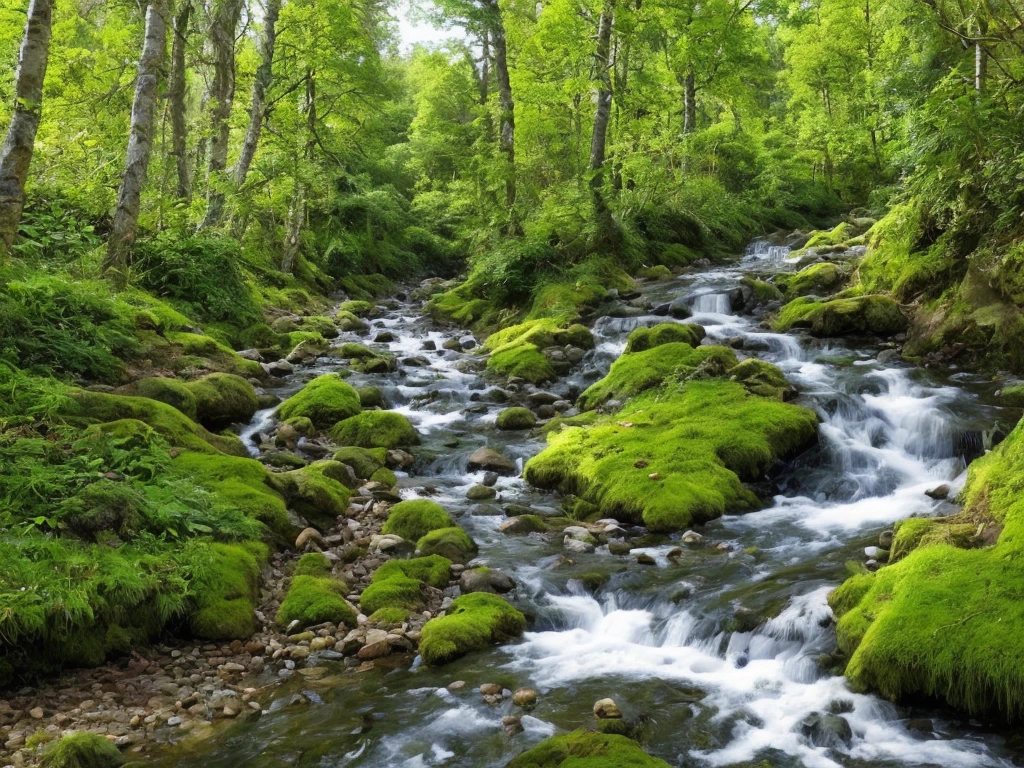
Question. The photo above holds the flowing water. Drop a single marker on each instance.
(720, 655)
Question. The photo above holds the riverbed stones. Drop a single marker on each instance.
(826, 730)
(481, 493)
(939, 493)
(488, 459)
(607, 709)
(525, 698)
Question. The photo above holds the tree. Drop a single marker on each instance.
(16, 154)
(140, 143)
(176, 100)
(603, 108)
(226, 15)
(264, 76)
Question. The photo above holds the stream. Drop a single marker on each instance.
(681, 646)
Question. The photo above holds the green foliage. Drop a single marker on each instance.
(82, 750)
(415, 518)
(586, 749)
(326, 400)
(473, 623)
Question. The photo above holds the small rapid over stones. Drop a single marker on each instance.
(719, 645)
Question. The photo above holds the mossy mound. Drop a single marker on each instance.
(372, 397)
(326, 400)
(349, 322)
(364, 461)
(640, 371)
(516, 350)
(415, 518)
(173, 392)
(82, 750)
(516, 418)
(170, 423)
(364, 359)
(860, 315)
(825, 238)
(452, 543)
(226, 590)
(316, 491)
(945, 622)
(761, 378)
(397, 591)
(764, 292)
(587, 749)
(315, 600)
(196, 350)
(816, 278)
(223, 399)
(664, 333)
(676, 456)
(657, 272)
(433, 570)
(376, 429)
(357, 308)
(473, 623)
(312, 564)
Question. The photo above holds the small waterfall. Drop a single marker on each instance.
(762, 250)
(712, 304)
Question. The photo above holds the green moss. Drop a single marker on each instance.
(226, 590)
(223, 399)
(376, 429)
(389, 615)
(349, 322)
(312, 564)
(474, 623)
(664, 333)
(764, 292)
(657, 272)
(315, 600)
(372, 397)
(877, 315)
(415, 518)
(452, 543)
(325, 401)
(357, 308)
(516, 350)
(522, 360)
(218, 356)
(398, 591)
(363, 358)
(364, 461)
(529, 524)
(169, 423)
(814, 279)
(173, 392)
(384, 476)
(760, 378)
(585, 749)
(82, 750)
(640, 371)
(1012, 396)
(700, 439)
(516, 418)
(823, 238)
(945, 621)
(433, 570)
(316, 491)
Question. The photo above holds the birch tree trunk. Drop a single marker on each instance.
(140, 143)
(16, 154)
(297, 211)
(226, 15)
(689, 101)
(176, 99)
(257, 111)
(603, 110)
(507, 123)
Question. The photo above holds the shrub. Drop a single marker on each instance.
(82, 750)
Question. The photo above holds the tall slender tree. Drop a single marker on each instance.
(140, 143)
(16, 154)
(176, 100)
(603, 108)
(258, 108)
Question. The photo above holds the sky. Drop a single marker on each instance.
(413, 29)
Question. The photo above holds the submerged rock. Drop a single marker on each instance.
(490, 460)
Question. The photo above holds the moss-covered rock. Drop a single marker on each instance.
(945, 621)
(415, 518)
(173, 392)
(372, 397)
(817, 278)
(212, 354)
(376, 429)
(365, 462)
(764, 292)
(326, 400)
(82, 750)
(349, 323)
(364, 359)
(516, 418)
(657, 272)
(665, 333)
(635, 373)
(675, 456)
(433, 570)
(761, 378)
(314, 600)
(226, 591)
(397, 591)
(516, 350)
(452, 543)
(473, 623)
(858, 315)
(316, 491)
(357, 308)
(223, 399)
(587, 749)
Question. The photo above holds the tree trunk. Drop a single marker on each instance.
(297, 210)
(485, 66)
(507, 125)
(257, 111)
(602, 113)
(980, 59)
(689, 101)
(176, 99)
(16, 155)
(226, 15)
(140, 143)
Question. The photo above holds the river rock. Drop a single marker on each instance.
(376, 645)
(825, 730)
(490, 460)
(490, 479)
(619, 547)
(692, 539)
(467, 342)
(607, 709)
(480, 493)
(485, 580)
(938, 493)
(309, 538)
(679, 309)
(885, 539)
(384, 337)
(278, 368)
(524, 697)
(577, 546)
(491, 689)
